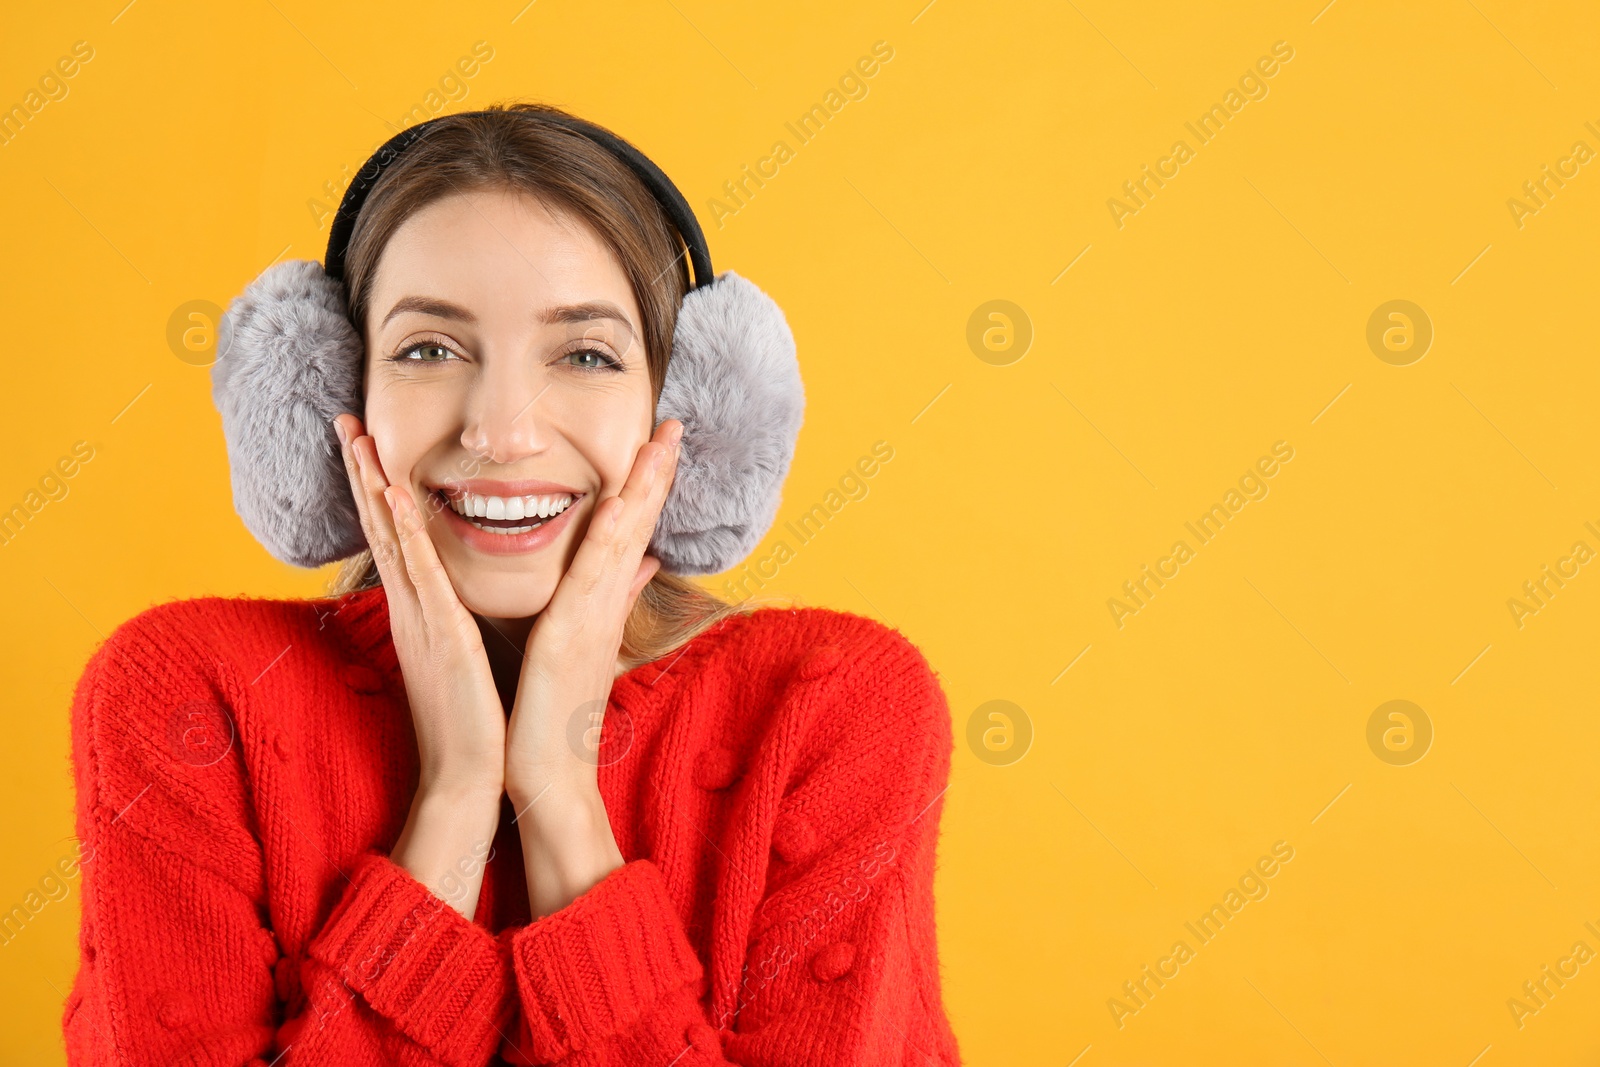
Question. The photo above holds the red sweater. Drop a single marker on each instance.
(244, 766)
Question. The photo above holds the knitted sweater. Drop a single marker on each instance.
(244, 766)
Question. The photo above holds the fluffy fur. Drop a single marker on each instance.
(734, 381)
(290, 361)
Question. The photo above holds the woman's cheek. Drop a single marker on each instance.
(395, 451)
(609, 433)
(404, 424)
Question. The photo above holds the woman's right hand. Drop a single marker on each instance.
(456, 710)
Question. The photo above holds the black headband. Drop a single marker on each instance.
(666, 194)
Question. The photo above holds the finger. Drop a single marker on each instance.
(405, 524)
(608, 558)
(637, 525)
(371, 512)
(648, 566)
(662, 488)
(643, 495)
(348, 428)
(435, 592)
(369, 486)
(384, 537)
(647, 485)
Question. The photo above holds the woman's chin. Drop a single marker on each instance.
(505, 598)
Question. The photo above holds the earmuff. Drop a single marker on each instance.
(289, 360)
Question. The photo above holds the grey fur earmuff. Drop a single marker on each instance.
(289, 360)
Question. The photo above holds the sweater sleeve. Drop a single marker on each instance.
(178, 962)
(841, 965)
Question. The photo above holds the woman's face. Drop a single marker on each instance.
(505, 379)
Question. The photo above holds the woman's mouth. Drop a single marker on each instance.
(507, 515)
(506, 525)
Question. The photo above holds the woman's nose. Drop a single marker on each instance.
(505, 421)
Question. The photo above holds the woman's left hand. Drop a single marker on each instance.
(552, 757)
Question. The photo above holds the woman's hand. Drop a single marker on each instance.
(551, 759)
(456, 711)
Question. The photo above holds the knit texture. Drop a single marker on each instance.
(244, 767)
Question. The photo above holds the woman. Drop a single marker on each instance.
(386, 828)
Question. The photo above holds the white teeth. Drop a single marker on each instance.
(474, 505)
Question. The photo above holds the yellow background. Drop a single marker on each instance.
(1226, 315)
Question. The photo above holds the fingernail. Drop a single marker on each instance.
(338, 428)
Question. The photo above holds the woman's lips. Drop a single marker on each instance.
(505, 544)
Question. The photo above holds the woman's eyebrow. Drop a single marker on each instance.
(427, 305)
(584, 312)
(587, 311)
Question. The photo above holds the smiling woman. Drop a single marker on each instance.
(462, 233)
(488, 363)
(518, 791)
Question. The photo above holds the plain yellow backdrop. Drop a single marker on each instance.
(1146, 759)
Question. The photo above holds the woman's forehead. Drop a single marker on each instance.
(503, 256)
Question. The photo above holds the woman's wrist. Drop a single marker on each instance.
(461, 785)
(567, 846)
(447, 841)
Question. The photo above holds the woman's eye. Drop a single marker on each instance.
(428, 352)
(592, 359)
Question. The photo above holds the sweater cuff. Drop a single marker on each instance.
(593, 969)
(440, 978)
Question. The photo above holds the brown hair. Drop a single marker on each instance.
(522, 147)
